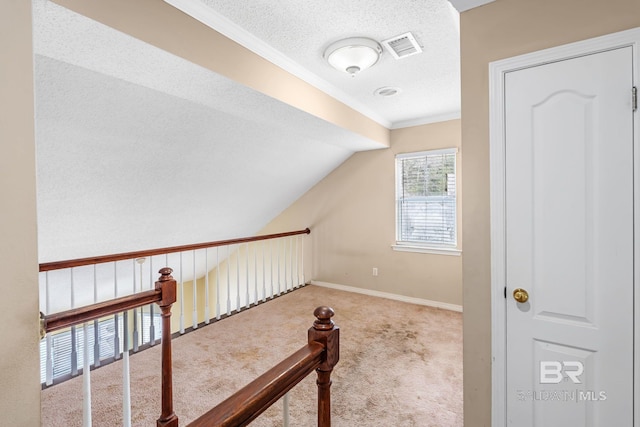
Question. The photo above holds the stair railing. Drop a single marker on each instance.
(164, 295)
(215, 280)
(266, 266)
(321, 354)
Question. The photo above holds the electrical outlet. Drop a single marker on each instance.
(375, 271)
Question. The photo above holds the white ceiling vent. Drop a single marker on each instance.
(402, 46)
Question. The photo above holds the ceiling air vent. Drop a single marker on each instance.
(402, 46)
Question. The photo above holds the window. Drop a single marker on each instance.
(426, 201)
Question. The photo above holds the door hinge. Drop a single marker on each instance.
(505, 292)
(634, 98)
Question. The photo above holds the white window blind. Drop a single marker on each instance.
(426, 198)
(62, 344)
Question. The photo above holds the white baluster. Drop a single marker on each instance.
(181, 298)
(302, 261)
(291, 263)
(228, 280)
(297, 273)
(206, 286)
(126, 378)
(285, 410)
(86, 380)
(152, 326)
(285, 266)
(140, 261)
(246, 259)
(255, 273)
(135, 311)
(116, 329)
(278, 262)
(194, 313)
(284, 255)
(264, 268)
(294, 247)
(218, 282)
(49, 338)
(74, 344)
(73, 296)
(166, 264)
(96, 329)
(291, 281)
(238, 278)
(271, 267)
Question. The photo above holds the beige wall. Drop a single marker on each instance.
(162, 25)
(188, 303)
(351, 214)
(500, 30)
(19, 355)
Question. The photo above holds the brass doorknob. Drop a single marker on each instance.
(520, 295)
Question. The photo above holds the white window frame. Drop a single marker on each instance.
(430, 247)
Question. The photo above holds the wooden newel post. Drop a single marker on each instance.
(324, 331)
(167, 285)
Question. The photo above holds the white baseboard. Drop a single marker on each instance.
(396, 297)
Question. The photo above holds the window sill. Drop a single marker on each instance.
(427, 250)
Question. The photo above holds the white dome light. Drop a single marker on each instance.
(353, 55)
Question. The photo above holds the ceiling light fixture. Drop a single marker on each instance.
(353, 55)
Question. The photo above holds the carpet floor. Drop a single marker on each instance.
(400, 365)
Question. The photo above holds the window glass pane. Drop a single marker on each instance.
(426, 199)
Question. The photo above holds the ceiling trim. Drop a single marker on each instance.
(427, 120)
(464, 5)
(228, 28)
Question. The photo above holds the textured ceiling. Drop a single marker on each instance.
(137, 148)
(294, 35)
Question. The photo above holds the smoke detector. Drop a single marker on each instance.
(387, 91)
(402, 46)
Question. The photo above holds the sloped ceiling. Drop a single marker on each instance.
(137, 148)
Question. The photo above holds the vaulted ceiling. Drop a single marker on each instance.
(138, 148)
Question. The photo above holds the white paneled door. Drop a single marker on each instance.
(569, 242)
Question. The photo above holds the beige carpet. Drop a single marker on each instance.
(400, 365)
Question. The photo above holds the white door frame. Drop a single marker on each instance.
(497, 71)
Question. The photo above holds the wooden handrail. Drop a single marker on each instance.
(75, 316)
(57, 265)
(253, 399)
(321, 353)
(165, 295)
